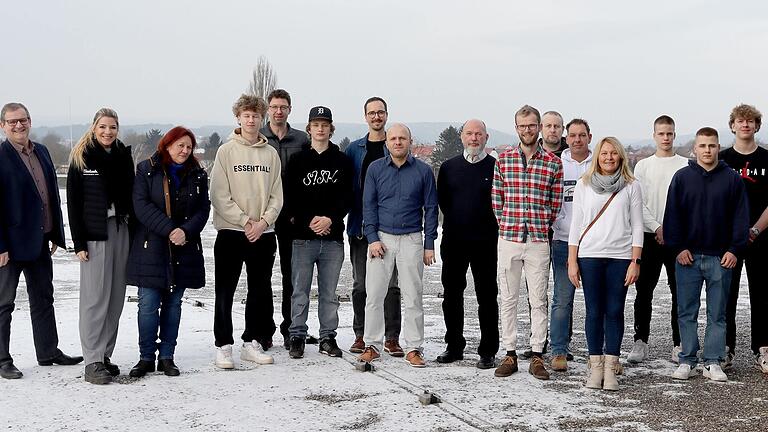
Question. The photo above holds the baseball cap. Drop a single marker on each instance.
(320, 112)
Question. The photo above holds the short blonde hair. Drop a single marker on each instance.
(594, 167)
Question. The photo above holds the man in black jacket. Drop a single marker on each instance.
(318, 195)
(470, 237)
(287, 141)
(30, 219)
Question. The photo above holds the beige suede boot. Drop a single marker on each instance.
(609, 373)
(595, 372)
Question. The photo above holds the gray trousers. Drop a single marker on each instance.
(102, 292)
(358, 256)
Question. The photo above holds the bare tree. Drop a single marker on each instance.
(264, 79)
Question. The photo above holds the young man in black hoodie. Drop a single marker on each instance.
(705, 225)
(318, 195)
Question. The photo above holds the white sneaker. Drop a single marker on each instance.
(761, 361)
(714, 373)
(224, 357)
(676, 350)
(251, 351)
(683, 372)
(639, 352)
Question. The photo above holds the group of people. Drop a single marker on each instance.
(274, 189)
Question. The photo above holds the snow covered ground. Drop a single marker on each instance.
(322, 393)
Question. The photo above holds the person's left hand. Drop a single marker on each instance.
(632, 274)
(429, 257)
(321, 225)
(728, 261)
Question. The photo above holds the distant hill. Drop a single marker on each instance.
(426, 133)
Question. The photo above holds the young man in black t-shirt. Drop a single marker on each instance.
(751, 162)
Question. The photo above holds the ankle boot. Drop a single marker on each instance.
(609, 373)
(595, 371)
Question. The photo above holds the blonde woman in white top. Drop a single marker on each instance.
(604, 247)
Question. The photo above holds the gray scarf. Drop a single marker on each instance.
(607, 183)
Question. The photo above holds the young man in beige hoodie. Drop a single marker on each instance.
(246, 195)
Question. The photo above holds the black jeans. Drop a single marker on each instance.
(285, 251)
(482, 256)
(756, 262)
(39, 277)
(358, 256)
(230, 251)
(653, 257)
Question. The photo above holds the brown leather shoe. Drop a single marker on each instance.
(537, 369)
(559, 363)
(415, 359)
(358, 346)
(392, 347)
(507, 367)
(369, 354)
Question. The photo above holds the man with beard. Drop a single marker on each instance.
(362, 152)
(470, 237)
(527, 194)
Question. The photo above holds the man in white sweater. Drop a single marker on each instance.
(655, 174)
(576, 160)
(246, 196)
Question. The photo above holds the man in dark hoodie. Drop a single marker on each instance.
(706, 225)
(318, 197)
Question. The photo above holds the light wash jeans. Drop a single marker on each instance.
(328, 255)
(705, 268)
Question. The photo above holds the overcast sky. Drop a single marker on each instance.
(617, 64)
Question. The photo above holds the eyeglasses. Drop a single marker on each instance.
(532, 126)
(373, 114)
(279, 107)
(13, 122)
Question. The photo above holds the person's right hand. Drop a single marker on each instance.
(685, 258)
(376, 249)
(660, 236)
(178, 237)
(573, 274)
(250, 231)
(4, 258)
(82, 256)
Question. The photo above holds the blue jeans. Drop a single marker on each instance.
(705, 268)
(562, 300)
(158, 308)
(328, 255)
(604, 296)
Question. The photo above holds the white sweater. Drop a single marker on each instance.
(619, 228)
(572, 170)
(655, 174)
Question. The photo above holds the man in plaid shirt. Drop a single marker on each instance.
(527, 194)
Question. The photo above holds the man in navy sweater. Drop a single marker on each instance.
(705, 225)
(470, 237)
(318, 187)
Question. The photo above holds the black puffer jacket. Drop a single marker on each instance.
(107, 179)
(154, 262)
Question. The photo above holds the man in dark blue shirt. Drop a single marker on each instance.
(399, 193)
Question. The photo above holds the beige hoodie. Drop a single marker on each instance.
(245, 183)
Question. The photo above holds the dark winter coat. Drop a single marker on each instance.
(154, 262)
(107, 179)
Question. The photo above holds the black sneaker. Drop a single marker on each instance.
(328, 347)
(297, 347)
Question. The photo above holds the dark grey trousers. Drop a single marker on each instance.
(39, 277)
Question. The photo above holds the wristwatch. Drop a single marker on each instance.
(755, 231)
(636, 261)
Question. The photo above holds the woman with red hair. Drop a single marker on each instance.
(170, 198)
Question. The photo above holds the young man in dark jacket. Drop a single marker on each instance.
(705, 225)
(318, 195)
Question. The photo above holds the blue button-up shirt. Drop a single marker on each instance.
(397, 200)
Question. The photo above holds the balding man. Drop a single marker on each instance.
(399, 193)
(470, 238)
(552, 133)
